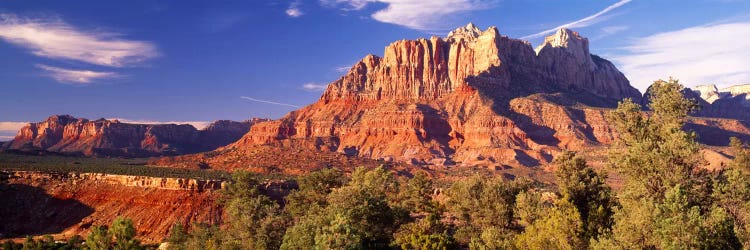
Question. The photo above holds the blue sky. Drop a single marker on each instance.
(198, 61)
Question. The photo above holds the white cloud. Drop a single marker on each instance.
(196, 124)
(314, 86)
(269, 102)
(75, 76)
(415, 14)
(293, 10)
(343, 69)
(12, 126)
(715, 53)
(584, 22)
(53, 38)
(610, 30)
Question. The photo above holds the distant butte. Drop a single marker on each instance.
(65, 134)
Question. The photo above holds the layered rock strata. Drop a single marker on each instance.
(471, 97)
(69, 135)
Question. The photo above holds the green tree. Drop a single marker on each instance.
(530, 207)
(177, 236)
(681, 226)
(301, 235)
(666, 200)
(732, 192)
(123, 232)
(254, 219)
(357, 215)
(312, 192)
(203, 236)
(741, 155)
(652, 150)
(364, 207)
(99, 238)
(418, 195)
(587, 190)
(480, 203)
(426, 233)
(561, 228)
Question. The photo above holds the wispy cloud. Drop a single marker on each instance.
(714, 53)
(314, 87)
(196, 124)
(294, 10)
(12, 126)
(584, 22)
(415, 14)
(269, 102)
(53, 38)
(610, 30)
(82, 77)
(342, 69)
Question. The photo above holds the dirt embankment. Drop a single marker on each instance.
(68, 204)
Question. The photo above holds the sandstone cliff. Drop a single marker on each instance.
(69, 135)
(472, 98)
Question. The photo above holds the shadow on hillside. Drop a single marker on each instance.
(714, 136)
(27, 210)
(489, 88)
(532, 86)
(438, 129)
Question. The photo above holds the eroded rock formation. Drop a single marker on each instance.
(69, 135)
(471, 97)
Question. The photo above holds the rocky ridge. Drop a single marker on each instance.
(69, 135)
(473, 97)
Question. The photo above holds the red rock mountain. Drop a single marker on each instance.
(472, 98)
(69, 135)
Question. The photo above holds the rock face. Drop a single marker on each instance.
(473, 97)
(67, 204)
(69, 135)
(730, 102)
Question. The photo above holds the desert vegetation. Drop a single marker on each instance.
(137, 167)
(666, 202)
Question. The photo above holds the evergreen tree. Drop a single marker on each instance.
(666, 199)
(99, 239)
(177, 236)
(561, 228)
(123, 232)
(254, 219)
(587, 190)
(481, 203)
